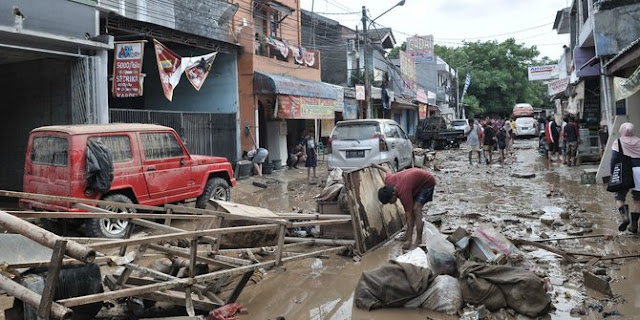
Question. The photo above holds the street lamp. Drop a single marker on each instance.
(367, 81)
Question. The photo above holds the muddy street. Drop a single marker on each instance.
(522, 199)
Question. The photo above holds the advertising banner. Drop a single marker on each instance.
(350, 109)
(557, 86)
(539, 73)
(422, 111)
(408, 70)
(420, 48)
(127, 69)
(197, 68)
(360, 92)
(297, 107)
(624, 88)
(169, 67)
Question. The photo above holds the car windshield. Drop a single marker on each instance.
(355, 131)
(525, 121)
(459, 123)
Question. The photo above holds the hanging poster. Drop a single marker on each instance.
(297, 107)
(360, 95)
(197, 68)
(127, 68)
(310, 58)
(169, 67)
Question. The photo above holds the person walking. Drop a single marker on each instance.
(473, 140)
(312, 158)
(489, 141)
(552, 134)
(414, 187)
(631, 148)
(502, 142)
(571, 134)
(603, 135)
(257, 157)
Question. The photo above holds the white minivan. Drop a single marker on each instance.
(354, 144)
(526, 126)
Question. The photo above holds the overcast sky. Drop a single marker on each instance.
(451, 21)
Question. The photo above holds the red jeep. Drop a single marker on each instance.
(149, 165)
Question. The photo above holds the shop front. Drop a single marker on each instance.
(286, 107)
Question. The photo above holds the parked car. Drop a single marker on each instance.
(435, 133)
(460, 124)
(150, 166)
(526, 126)
(356, 143)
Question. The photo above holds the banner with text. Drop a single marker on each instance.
(624, 88)
(169, 67)
(557, 86)
(420, 48)
(197, 68)
(297, 107)
(127, 69)
(408, 71)
(539, 73)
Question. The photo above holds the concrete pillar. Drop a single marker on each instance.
(102, 87)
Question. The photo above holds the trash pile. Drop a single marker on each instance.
(483, 270)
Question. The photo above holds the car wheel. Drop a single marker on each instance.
(107, 227)
(216, 189)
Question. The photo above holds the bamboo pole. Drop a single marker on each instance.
(33, 299)
(263, 249)
(281, 235)
(320, 222)
(44, 309)
(314, 216)
(226, 215)
(90, 215)
(332, 242)
(42, 197)
(180, 253)
(45, 238)
(181, 235)
(182, 283)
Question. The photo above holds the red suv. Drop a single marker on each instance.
(148, 165)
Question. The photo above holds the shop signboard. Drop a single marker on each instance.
(558, 86)
(350, 109)
(298, 107)
(127, 69)
(540, 73)
(422, 111)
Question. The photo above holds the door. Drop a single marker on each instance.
(394, 143)
(166, 166)
(406, 148)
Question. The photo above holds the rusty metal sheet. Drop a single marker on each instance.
(374, 223)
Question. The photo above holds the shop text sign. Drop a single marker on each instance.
(297, 107)
(127, 69)
(540, 73)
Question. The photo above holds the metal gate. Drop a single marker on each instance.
(83, 96)
(203, 133)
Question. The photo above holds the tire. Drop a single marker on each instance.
(216, 189)
(110, 228)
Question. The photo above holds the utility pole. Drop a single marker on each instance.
(458, 94)
(367, 81)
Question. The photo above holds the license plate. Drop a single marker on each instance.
(355, 153)
(525, 128)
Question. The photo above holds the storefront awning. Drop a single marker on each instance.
(400, 103)
(266, 83)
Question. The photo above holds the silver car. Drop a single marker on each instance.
(357, 143)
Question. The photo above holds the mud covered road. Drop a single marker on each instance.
(551, 204)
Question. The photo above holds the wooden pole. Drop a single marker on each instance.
(42, 197)
(49, 291)
(281, 234)
(315, 216)
(266, 249)
(180, 253)
(90, 215)
(320, 222)
(331, 242)
(33, 299)
(182, 283)
(45, 238)
(226, 215)
(545, 247)
(574, 237)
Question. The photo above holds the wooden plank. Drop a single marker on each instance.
(6, 302)
(180, 253)
(122, 279)
(44, 309)
(574, 237)
(236, 215)
(320, 223)
(244, 210)
(545, 247)
(180, 235)
(315, 216)
(281, 234)
(240, 286)
(173, 298)
(42, 197)
(332, 242)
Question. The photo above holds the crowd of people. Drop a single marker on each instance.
(488, 135)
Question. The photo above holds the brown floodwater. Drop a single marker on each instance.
(467, 196)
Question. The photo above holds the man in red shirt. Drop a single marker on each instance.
(414, 187)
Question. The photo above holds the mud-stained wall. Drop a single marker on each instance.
(34, 93)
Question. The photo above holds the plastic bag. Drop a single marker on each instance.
(335, 176)
(440, 252)
(416, 257)
(443, 295)
(495, 240)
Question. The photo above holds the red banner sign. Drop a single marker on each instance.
(127, 68)
(422, 111)
(169, 67)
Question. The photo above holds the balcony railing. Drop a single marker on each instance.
(269, 48)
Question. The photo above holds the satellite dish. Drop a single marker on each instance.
(228, 14)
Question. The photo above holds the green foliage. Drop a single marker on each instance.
(395, 52)
(498, 74)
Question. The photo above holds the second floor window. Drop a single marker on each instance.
(274, 24)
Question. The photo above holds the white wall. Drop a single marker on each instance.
(277, 140)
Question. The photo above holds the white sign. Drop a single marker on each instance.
(539, 73)
(557, 86)
(360, 92)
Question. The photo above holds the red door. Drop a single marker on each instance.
(166, 166)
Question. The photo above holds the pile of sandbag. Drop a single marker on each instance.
(443, 279)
